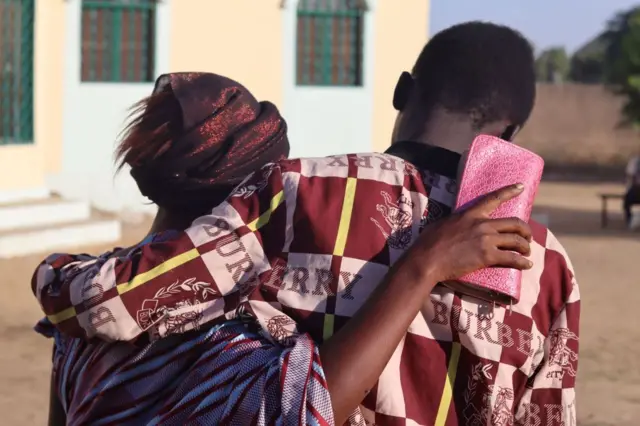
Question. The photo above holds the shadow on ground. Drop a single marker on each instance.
(586, 223)
(583, 173)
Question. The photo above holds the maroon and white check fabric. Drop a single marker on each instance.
(300, 246)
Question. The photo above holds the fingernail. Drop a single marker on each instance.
(519, 186)
(530, 263)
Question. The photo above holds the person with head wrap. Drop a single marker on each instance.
(196, 138)
(188, 145)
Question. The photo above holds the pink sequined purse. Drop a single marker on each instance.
(491, 164)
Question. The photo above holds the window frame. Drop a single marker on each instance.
(124, 65)
(17, 125)
(335, 67)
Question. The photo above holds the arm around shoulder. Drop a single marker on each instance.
(120, 296)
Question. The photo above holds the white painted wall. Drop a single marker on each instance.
(327, 120)
(93, 116)
(322, 120)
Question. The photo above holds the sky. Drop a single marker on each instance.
(547, 23)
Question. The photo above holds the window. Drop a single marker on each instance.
(329, 42)
(118, 40)
(16, 71)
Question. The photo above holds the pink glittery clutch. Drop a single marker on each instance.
(491, 164)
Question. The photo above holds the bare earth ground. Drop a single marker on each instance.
(607, 265)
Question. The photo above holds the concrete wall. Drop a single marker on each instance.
(93, 116)
(209, 40)
(401, 33)
(252, 42)
(49, 69)
(327, 120)
(240, 39)
(23, 167)
(577, 127)
(333, 120)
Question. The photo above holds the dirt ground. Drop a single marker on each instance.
(605, 262)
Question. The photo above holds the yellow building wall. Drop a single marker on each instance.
(49, 80)
(25, 166)
(240, 39)
(401, 33)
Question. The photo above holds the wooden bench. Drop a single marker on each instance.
(604, 213)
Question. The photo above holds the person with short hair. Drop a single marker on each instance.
(470, 78)
(632, 193)
(335, 263)
(188, 145)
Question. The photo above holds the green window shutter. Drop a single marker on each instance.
(16, 71)
(329, 43)
(118, 40)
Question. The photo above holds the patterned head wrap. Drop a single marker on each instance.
(226, 134)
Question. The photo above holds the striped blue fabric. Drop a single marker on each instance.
(226, 374)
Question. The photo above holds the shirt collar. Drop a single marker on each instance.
(427, 157)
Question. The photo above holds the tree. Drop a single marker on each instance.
(587, 64)
(552, 65)
(613, 58)
(622, 71)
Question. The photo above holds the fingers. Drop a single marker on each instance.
(491, 201)
(512, 225)
(513, 242)
(510, 259)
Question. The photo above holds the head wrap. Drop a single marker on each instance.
(226, 135)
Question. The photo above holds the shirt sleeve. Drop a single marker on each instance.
(550, 398)
(154, 287)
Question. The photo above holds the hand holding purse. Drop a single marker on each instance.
(491, 164)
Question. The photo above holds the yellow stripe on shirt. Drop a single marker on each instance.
(266, 216)
(62, 315)
(447, 392)
(341, 241)
(162, 268)
(183, 258)
(345, 216)
(137, 281)
(170, 264)
(327, 330)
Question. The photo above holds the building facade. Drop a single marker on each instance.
(70, 69)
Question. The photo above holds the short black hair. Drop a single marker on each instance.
(479, 68)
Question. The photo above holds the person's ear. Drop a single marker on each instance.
(402, 93)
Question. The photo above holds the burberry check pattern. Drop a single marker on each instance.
(299, 246)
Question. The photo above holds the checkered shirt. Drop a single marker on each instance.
(299, 246)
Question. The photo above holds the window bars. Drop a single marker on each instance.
(118, 40)
(16, 71)
(329, 42)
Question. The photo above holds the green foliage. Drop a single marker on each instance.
(587, 64)
(552, 65)
(613, 58)
(622, 60)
